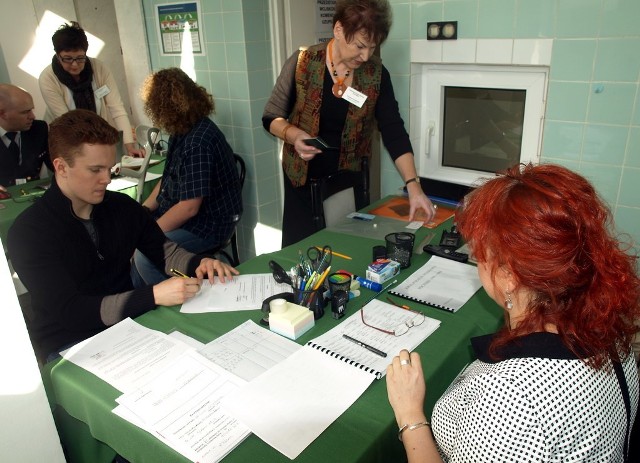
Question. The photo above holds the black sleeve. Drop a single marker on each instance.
(390, 123)
(283, 96)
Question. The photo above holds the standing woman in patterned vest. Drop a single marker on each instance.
(316, 95)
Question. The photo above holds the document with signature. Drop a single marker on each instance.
(127, 354)
(243, 292)
(181, 406)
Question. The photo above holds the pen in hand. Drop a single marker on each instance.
(366, 346)
(178, 273)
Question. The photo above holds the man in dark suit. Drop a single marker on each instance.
(24, 145)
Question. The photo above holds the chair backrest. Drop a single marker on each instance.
(147, 138)
(234, 258)
(325, 187)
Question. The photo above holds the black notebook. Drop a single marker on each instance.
(441, 283)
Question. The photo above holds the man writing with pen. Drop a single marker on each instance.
(72, 248)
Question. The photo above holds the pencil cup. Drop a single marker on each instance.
(339, 282)
(313, 300)
(400, 247)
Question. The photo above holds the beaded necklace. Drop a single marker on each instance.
(339, 87)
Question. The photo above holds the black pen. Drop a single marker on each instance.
(366, 346)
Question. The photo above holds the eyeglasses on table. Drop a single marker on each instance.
(403, 328)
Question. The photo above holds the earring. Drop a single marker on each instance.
(508, 303)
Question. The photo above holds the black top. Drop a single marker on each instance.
(34, 150)
(72, 280)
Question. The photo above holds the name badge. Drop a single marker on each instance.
(354, 97)
(102, 91)
(21, 181)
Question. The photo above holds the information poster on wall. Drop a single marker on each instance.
(179, 28)
(324, 14)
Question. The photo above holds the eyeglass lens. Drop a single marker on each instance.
(401, 329)
(69, 59)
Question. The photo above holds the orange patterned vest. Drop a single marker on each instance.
(359, 124)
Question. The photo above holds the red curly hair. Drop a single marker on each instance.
(547, 225)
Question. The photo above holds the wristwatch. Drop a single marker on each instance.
(414, 179)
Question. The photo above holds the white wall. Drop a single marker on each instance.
(27, 430)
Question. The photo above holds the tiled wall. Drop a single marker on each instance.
(237, 71)
(593, 110)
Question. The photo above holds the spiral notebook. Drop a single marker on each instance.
(441, 283)
(381, 315)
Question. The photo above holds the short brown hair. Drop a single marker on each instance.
(70, 131)
(373, 17)
(70, 37)
(174, 102)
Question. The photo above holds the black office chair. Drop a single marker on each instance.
(325, 187)
(234, 258)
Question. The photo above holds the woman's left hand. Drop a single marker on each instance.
(210, 267)
(406, 388)
(136, 152)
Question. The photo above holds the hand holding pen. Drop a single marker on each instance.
(175, 291)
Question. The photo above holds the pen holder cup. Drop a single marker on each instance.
(400, 247)
(339, 282)
(313, 300)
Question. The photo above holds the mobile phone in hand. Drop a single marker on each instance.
(319, 143)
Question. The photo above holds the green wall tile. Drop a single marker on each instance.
(395, 56)
(629, 191)
(401, 17)
(562, 140)
(577, 18)
(496, 18)
(605, 144)
(238, 85)
(620, 18)
(567, 101)
(627, 220)
(236, 56)
(214, 28)
(573, 59)
(220, 84)
(255, 26)
(466, 13)
(535, 18)
(421, 13)
(605, 179)
(632, 159)
(618, 60)
(636, 114)
(258, 56)
(613, 104)
(233, 26)
(240, 114)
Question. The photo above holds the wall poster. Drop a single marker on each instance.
(324, 15)
(179, 28)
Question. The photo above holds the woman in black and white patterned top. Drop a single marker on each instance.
(558, 382)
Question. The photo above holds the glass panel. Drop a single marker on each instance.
(482, 128)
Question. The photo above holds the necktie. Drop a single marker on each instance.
(13, 148)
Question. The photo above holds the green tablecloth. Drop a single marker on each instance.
(365, 432)
(23, 196)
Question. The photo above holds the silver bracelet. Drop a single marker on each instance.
(411, 427)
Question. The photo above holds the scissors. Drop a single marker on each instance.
(320, 257)
(279, 274)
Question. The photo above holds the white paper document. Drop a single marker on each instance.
(292, 403)
(127, 354)
(243, 292)
(121, 183)
(248, 350)
(182, 404)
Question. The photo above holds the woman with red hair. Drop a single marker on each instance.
(558, 382)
